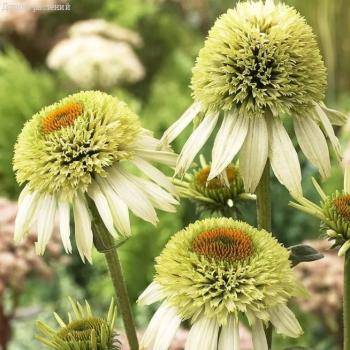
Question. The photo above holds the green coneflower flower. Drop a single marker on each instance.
(217, 195)
(333, 211)
(83, 331)
(77, 148)
(212, 273)
(259, 63)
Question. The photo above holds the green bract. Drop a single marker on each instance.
(64, 144)
(253, 281)
(260, 58)
(85, 332)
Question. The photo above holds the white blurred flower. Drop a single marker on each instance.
(97, 55)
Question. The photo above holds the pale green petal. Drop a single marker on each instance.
(328, 129)
(176, 129)
(195, 142)
(254, 153)
(313, 144)
(283, 157)
(258, 336)
(228, 142)
(285, 321)
(229, 335)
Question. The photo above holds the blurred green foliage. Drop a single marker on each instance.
(173, 32)
(23, 91)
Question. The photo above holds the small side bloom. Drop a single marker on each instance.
(211, 274)
(333, 212)
(83, 331)
(222, 195)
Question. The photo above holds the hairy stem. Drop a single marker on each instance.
(263, 206)
(105, 244)
(346, 309)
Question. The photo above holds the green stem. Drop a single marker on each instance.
(263, 207)
(105, 244)
(346, 309)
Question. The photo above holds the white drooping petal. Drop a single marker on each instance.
(146, 140)
(163, 315)
(228, 142)
(285, 322)
(283, 157)
(259, 336)
(195, 142)
(334, 116)
(159, 197)
(83, 231)
(131, 195)
(175, 130)
(313, 144)
(163, 157)
(327, 126)
(46, 212)
(168, 327)
(203, 335)
(64, 222)
(229, 336)
(254, 153)
(119, 209)
(151, 294)
(154, 174)
(102, 207)
(25, 213)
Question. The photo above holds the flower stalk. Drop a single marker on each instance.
(105, 244)
(263, 208)
(346, 309)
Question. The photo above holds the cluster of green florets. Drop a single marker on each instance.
(260, 58)
(216, 189)
(257, 278)
(64, 144)
(336, 209)
(86, 332)
(82, 334)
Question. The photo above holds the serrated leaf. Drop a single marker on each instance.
(303, 253)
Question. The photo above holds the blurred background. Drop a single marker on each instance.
(141, 51)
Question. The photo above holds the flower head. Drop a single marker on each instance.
(212, 273)
(77, 147)
(258, 58)
(259, 63)
(221, 194)
(83, 331)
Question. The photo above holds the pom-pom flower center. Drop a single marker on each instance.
(61, 117)
(223, 244)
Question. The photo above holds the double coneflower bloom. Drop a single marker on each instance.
(260, 64)
(213, 273)
(79, 148)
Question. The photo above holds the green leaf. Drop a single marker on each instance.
(298, 348)
(303, 253)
